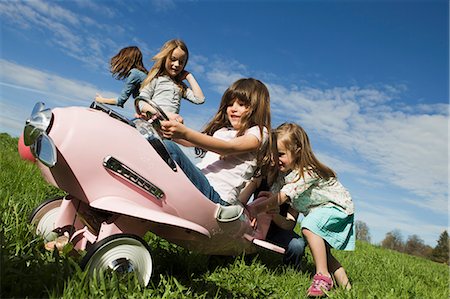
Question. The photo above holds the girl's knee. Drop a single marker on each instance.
(306, 232)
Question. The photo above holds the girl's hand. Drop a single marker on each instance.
(145, 107)
(98, 97)
(172, 129)
(183, 75)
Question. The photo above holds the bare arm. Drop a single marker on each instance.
(241, 144)
(249, 189)
(198, 93)
(100, 99)
(266, 201)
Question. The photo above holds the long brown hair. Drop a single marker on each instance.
(269, 165)
(296, 141)
(158, 67)
(128, 58)
(255, 95)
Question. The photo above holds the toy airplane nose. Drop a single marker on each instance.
(25, 151)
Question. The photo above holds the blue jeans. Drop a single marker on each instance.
(290, 241)
(193, 173)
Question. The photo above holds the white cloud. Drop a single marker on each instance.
(222, 79)
(16, 13)
(222, 72)
(54, 11)
(196, 64)
(339, 165)
(94, 6)
(66, 30)
(55, 86)
(163, 5)
(12, 119)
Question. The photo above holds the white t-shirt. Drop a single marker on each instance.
(228, 175)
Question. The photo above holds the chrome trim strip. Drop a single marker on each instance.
(111, 112)
(132, 176)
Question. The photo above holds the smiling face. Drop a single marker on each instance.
(285, 161)
(235, 111)
(176, 62)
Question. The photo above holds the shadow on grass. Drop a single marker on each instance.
(34, 274)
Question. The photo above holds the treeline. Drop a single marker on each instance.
(414, 245)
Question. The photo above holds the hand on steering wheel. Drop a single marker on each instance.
(149, 110)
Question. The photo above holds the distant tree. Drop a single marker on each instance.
(415, 246)
(394, 241)
(362, 231)
(440, 252)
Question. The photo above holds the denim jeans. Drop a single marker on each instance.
(193, 173)
(290, 241)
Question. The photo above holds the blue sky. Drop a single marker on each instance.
(368, 80)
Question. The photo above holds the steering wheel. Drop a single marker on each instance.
(158, 113)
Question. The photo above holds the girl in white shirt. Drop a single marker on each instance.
(233, 143)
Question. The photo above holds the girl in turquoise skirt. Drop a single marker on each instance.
(312, 188)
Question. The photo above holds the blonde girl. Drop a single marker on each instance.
(313, 190)
(234, 142)
(126, 65)
(164, 84)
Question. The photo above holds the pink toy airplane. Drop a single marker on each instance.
(121, 182)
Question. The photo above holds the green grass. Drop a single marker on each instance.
(28, 270)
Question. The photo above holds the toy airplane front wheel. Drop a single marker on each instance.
(121, 253)
(44, 217)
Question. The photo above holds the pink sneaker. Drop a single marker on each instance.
(320, 285)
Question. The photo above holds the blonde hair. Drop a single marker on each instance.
(255, 95)
(296, 141)
(128, 58)
(158, 67)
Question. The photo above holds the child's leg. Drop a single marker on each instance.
(318, 251)
(192, 172)
(338, 271)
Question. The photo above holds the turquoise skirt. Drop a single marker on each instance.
(333, 225)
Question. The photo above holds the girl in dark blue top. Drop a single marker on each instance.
(126, 65)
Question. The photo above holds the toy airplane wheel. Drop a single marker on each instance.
(121, 253)
(44, 217)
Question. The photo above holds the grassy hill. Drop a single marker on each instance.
(27, 270)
